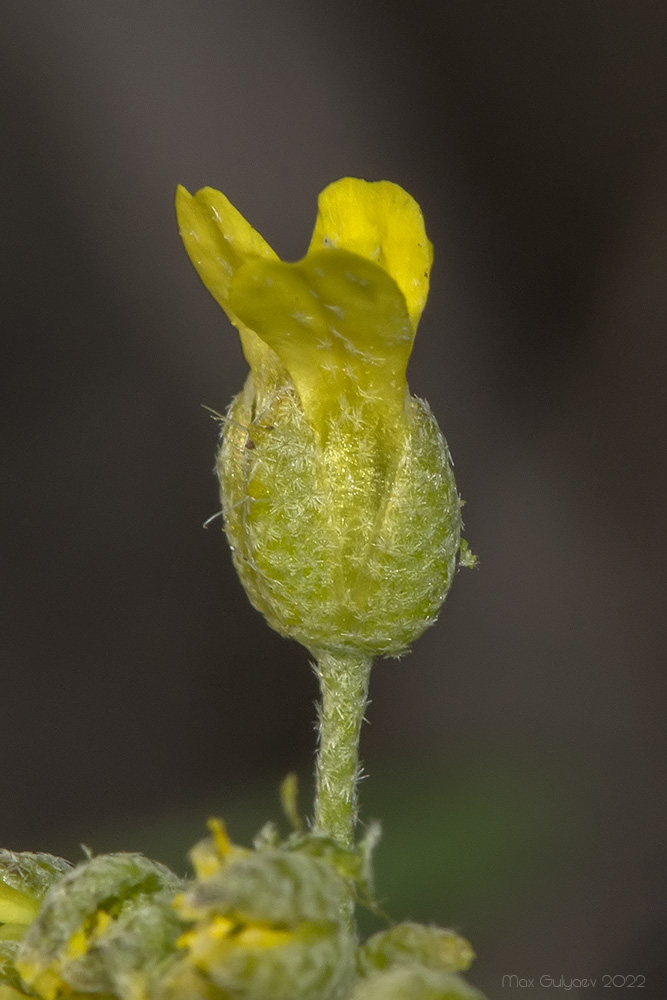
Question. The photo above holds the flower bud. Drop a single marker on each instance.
(407, 943)
(266, 924)
(337, 487)
(102, 929)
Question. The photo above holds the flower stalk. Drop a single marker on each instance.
(343, 681)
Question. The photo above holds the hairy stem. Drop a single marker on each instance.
(344, 686)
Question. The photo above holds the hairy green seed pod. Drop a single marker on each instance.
(342, 543)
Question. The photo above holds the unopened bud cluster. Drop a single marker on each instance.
(268, 923)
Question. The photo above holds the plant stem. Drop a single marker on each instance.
(344, 685)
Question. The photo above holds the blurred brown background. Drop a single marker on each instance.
(517, 756)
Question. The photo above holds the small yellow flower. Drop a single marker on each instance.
(337, 489)
(343, 319)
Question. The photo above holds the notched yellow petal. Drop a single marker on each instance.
(17, 907)
(218, 241)
(338, 323)
(217, 238)
(383, 223)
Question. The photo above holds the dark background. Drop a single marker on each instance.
(517, 756)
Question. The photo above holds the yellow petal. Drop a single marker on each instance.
(12, 932)
(218, 241)
(383, 223)
(256, 936)
(16, 907)
(339, 324)
(8, 992)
